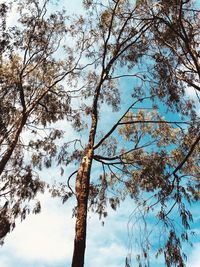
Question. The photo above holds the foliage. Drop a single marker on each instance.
(149, 151)
(31, 98)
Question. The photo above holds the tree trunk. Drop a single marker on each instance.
(82, 192)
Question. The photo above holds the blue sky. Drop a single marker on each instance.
(46, 239)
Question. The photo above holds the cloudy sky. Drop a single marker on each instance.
(46, 239)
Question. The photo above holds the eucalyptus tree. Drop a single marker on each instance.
(31, 97)
(118, 36)
(173, 70)
(142, 152)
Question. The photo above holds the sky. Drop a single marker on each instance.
(46, 239)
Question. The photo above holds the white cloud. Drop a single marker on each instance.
(4, 261)
(110, 256)
(194, 260)
(46, 237)
(107, 245)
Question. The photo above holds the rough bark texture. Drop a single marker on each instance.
(82, 192)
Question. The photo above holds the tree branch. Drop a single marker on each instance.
(117, 123)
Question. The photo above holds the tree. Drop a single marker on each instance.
(149, 153)
(174, 67)
(122, 37)
(31, 98)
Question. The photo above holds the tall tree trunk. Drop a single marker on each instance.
(82, 192)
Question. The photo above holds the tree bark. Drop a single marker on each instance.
(83, 181)
(82, 193)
